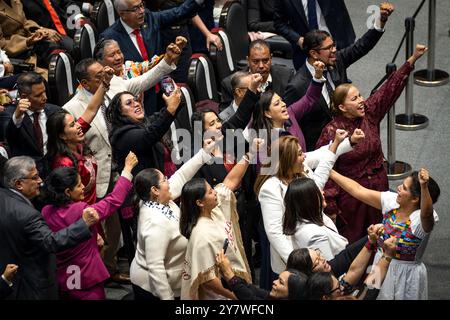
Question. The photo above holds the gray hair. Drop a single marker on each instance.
(120, 5)
(236, 78)
(26, 81)
(17, 168)
(99, 49)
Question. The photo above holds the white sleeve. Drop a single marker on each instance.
(322, 172)
(157, 239)
(313, 157)
(224, 197)
(272, 211)
(186, 172)
(388, 201)
(416, 224)
(148, 79)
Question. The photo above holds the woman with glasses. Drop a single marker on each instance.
(64, 193)
(365, 162)
(133, 131)
(156, 269)
(323, 285)
(409, 216)
(65, 145)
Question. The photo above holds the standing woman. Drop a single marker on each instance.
(66, 136)
(156, 269)
(272, 184)
(408, 215)
(365, 162)
(208, 217)
(65, 197)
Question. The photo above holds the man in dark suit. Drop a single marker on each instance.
(25, 238)
(240, 81)
(320, 46)
(138, 33)
(275, 77)
(26, 132)
(294, 18)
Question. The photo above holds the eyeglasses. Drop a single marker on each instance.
(331, 46)
(135, 9)
(338, 288)
(36, 177)
(129, 102)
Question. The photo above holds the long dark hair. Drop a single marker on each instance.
(114, 113)
(56, 184)
(190, 212)
(303, 202)
(300, 259)
(260, 121)
(55, 145)
(296, 285)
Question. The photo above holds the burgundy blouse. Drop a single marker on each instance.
(366, 156)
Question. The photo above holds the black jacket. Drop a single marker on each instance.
(27, 241)
(22, 140)
(143, 141)
(290, 21)
(5, 289)
(281, 76)
(313, 123)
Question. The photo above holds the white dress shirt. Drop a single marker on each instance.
(130, 31)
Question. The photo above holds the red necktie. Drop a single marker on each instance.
(55, 18)
(141, 44)
(38, 131)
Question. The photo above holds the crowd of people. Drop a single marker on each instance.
(288, 178)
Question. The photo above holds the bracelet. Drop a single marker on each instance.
(246, 158)
(388, 259)
(370, 246)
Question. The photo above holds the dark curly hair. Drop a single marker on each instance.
(56, 184)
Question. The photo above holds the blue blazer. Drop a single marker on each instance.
(154, 21)
(290, 21)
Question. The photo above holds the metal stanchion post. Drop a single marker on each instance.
(395, 169)
(410, 121)
(431, 77)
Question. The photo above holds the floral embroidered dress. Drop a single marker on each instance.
(365, 163)
(406, 278)
(87, 167)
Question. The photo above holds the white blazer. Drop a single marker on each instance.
(97, 137)
(160, 251)
(326, 238)
(271, 198)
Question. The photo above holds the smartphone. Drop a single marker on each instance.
(167, 85)
(225, 245)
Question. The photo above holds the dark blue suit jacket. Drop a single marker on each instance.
(150, 31)
(290, 21)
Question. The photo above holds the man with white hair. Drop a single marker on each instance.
(26, 240)
(138, 32)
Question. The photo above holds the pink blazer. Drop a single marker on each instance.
(85, 257)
